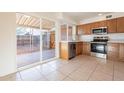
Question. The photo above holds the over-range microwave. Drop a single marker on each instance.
(101, 30)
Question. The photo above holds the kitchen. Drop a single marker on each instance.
(88, 48)
(62, 46)
(104, 39)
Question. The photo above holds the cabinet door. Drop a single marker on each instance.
(120, 25)
(121, 52)
(86, 48)
(112, 25)
(64, 51)
(86, 29)
(113, 51)
(102, 24)
(78, 48)
(98, 24)
(94, 25)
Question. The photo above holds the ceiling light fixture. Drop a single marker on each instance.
(99, 14)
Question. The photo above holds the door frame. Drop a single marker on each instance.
(57, 30)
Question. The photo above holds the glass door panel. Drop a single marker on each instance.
(28, 39)
(63, 32)
(28, 46)
(70, 33)
(48, 39)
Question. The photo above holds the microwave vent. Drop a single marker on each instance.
(109, 16)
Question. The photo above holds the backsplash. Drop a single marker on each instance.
(112, 37)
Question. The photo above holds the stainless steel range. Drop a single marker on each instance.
(99, 46)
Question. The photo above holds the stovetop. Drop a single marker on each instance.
(100, 39)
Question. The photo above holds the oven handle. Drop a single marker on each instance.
(99, 42)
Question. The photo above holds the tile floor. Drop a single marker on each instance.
(80, 68)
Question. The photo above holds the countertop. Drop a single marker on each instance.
(116, 41)
(111, 41)
(70, 41)
(73, 41)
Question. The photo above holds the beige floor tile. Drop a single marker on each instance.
(57, 64)
(68, 79)
(119, 66)
(67, 69)
(77, 69)
(118, 76)
(45, 69)
(31, 75)
(86, 69)
(11, 77)
(100, 76)
(55, 76)
(105, 69)
(80, 75)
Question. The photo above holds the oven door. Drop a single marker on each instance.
(98, 48)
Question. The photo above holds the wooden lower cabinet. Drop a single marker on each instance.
(86, 48)
(115, 52)
(121, 52)
(79, 48)
(64, 50)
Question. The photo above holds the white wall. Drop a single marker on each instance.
(7, 43)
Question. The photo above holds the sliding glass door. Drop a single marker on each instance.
(35, 40)
(28, 46)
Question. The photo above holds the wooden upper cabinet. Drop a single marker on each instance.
(98, 24)
(120, 25)
(94, 25)
(86, 29)
(102, 23)
(112, 25)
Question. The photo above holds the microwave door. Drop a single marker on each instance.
(97, 31)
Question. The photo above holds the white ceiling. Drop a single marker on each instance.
(77, 16)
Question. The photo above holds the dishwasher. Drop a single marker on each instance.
(72, 50)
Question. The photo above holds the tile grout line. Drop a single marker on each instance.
(92, 71)
(42, 74)
(113, 71)
(70, 73)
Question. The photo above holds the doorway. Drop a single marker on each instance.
(35, 40)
